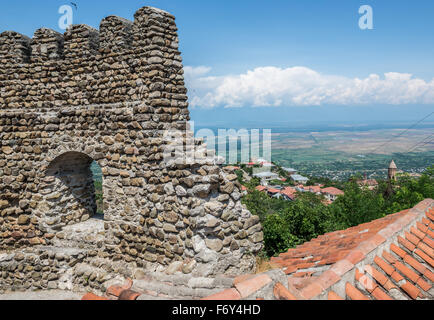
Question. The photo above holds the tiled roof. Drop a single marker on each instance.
(368, 182)
(389, 258)
(289, 192)
(116, 293)
(261, 188)
(331, 247)
(332, 191)
(314, 189)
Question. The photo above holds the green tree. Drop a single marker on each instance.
(277, 235)
(356, 206)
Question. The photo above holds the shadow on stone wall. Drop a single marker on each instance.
(68, 191)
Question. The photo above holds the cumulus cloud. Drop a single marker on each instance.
(301, 86)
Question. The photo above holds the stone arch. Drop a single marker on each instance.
(66, 144)
(67, 191)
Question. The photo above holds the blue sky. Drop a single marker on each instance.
(313, 45)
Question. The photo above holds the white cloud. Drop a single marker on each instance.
(301, 86)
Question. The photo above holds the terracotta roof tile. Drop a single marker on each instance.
(341, 267)
(417, 233)
(429, 275)
(397, 250)
(300, 283)
(407, 272)
(281, 293)
(229, 294)
(429, 251)
(250, 286)
(91, 296)
(428, 241)
(415, 264)
(425, 257)
(390, 285)
(290, 269)
(367, 246)
(379, 294)
(407, 244)
(411, 290)
(423, 284)
(358, 275)
(367, 283)
(334, 296)
(312, 290)
(129, 295)
(387, 268)
(412, 238)
(422, 227)
(389, 257)
(425, 221)
(397, 276)
(377, 275)
(242, 278)
(353, 293)
(328, 278)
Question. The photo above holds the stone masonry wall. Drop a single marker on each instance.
(110, 96)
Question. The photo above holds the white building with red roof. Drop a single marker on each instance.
(332, 193)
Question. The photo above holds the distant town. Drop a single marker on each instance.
(286, 183)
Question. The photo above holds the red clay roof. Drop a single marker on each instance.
(261, 188)
(389, 258)
(331, 247)
(289, 192)
(314, 189)
(116, 293)
(333, 191)
(402, 269)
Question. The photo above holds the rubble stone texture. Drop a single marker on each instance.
(111, 96)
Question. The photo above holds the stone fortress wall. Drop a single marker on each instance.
(110, 96)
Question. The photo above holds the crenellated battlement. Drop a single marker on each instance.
(46, 45)
(81, 41)
(115, 35)
(14, 48)
(123, 61)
